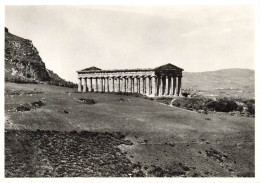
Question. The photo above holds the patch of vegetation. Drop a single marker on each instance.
(164, 100)
(19, 92)
(170, 171)
(57, 81)
(87, 101)
(29, 106)
(21, 80)
(250, 107)
(220, 104)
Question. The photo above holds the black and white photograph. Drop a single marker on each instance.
(129, 91)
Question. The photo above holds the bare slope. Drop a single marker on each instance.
(164, 137)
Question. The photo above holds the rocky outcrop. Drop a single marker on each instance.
(23, 63)
(22, 59)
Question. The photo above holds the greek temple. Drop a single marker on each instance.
(160, 81)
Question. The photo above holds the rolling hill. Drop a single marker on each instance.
(239, 82)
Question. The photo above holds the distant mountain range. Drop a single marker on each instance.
(233, 81)
(24, 64)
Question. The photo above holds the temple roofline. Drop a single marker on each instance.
(116, 70)
(97, 70)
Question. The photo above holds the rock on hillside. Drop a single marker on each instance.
(23, 62)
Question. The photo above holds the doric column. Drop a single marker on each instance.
(103, 84)
(118, 84)
(176, 87)
(147, 83)
(179, 86)
(141, 84)
(115, 84)
(166, 86)
(88, 84)
(129, 82)
(132, 84)
(135, 84)
(124, 85)
(112, 84)
(84, 85)
(107, 84)
(160, 80)
(171, 86)
(93, 84)
(154, 86)
(96, 84)
(138, 84)
(79, 85)
(100, 85)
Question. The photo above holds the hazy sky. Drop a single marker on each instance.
(196, 38)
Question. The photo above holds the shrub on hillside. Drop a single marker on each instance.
(87, 101)
(18, 79)
(251, 108)
(222, 105)
(62, 83)
(203, 103)
(239, 108)
(185, 94)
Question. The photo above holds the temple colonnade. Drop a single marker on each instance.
(160, 81)
(147, 85)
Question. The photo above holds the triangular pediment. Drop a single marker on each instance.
(169, 67)
(91, 69)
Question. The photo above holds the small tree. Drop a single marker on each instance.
(251, 108)
(240, 108)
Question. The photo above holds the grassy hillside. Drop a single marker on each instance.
(238, 82)
(167, 141)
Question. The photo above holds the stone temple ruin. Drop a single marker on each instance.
(160, 81)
